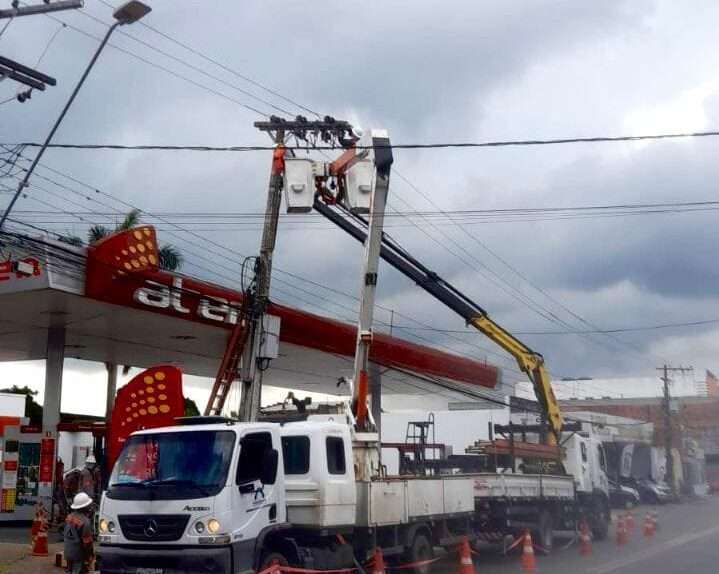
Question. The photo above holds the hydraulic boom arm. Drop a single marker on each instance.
(529, 361)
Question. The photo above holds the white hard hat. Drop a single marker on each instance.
(90, 459)
(81, 501)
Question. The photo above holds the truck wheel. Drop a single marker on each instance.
(271, 558)
(600, 520)
(545, 531)
(421, 550)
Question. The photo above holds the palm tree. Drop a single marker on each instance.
(170, 257)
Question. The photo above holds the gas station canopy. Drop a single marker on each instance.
(153, 317)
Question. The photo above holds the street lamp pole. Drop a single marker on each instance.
(126, 14)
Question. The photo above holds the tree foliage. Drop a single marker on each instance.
(191, 409)
(33, 410)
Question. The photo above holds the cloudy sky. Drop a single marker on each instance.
(428, 72)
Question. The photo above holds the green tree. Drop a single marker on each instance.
(33, 410)
(170, 257)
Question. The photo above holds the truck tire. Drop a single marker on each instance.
(420, 550)
(600, 519)
(544, 534)
(270, 558)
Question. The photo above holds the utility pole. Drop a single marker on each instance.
(668, 423)
(331, 132)
(250, 375)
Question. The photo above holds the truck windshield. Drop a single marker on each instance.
(173, 465)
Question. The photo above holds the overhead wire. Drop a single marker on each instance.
(531, 303)
(545, 142)
(155, 65)
(395, 146)
(185, 63)
(281, 271)
(219, 64)
(293, 287)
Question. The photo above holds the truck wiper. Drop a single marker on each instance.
(142, 484)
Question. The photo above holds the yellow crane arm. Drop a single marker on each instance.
(532, 364)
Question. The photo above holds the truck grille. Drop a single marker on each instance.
(153, 527)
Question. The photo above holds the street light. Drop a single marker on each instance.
(131, 12)
(128, 13)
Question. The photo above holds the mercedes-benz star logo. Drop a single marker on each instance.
(151, 528)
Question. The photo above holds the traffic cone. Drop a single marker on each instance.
(655, 520)
(529, 562)
(585, 539)
(378, 561)
(39, 541)
(465, 558)
(621, 531)
(36, 524)
(648, 527)
(629, 520)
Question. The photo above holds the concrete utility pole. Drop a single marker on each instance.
(668, 423)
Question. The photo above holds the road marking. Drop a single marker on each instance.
(653, 551)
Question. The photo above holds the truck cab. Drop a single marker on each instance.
(586, 461)
(192, 499)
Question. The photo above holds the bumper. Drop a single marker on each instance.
(169, 560)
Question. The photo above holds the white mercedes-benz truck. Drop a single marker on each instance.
(231, 497)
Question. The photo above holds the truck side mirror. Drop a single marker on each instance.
(270, 459)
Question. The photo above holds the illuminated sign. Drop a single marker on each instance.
(152, 399)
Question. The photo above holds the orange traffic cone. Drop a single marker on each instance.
(36, 523)
(585, 539)
(529, 562)
(465, 558)
(621, 531)
(378, 561)
(648, 527)
(655, 520)
(629, 520)
(39, 541)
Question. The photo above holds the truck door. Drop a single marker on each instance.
(254, 502)
(599, 474)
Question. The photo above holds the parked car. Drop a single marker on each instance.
(652, 492)
(623, 496)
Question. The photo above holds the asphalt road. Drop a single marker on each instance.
(687, 542)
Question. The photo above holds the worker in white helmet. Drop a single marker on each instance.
(78, 535)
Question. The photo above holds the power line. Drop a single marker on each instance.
(188, 65)
(601, 331)
(438, 145)
(220, 64)
(161, 67)
(6, 26)
(206, 269)
(535, 142)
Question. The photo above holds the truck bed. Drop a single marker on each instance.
(398, 500)
(526, 486)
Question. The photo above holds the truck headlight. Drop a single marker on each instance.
(213, 526)
(199, 527)
(111, 527)
(104, 525)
